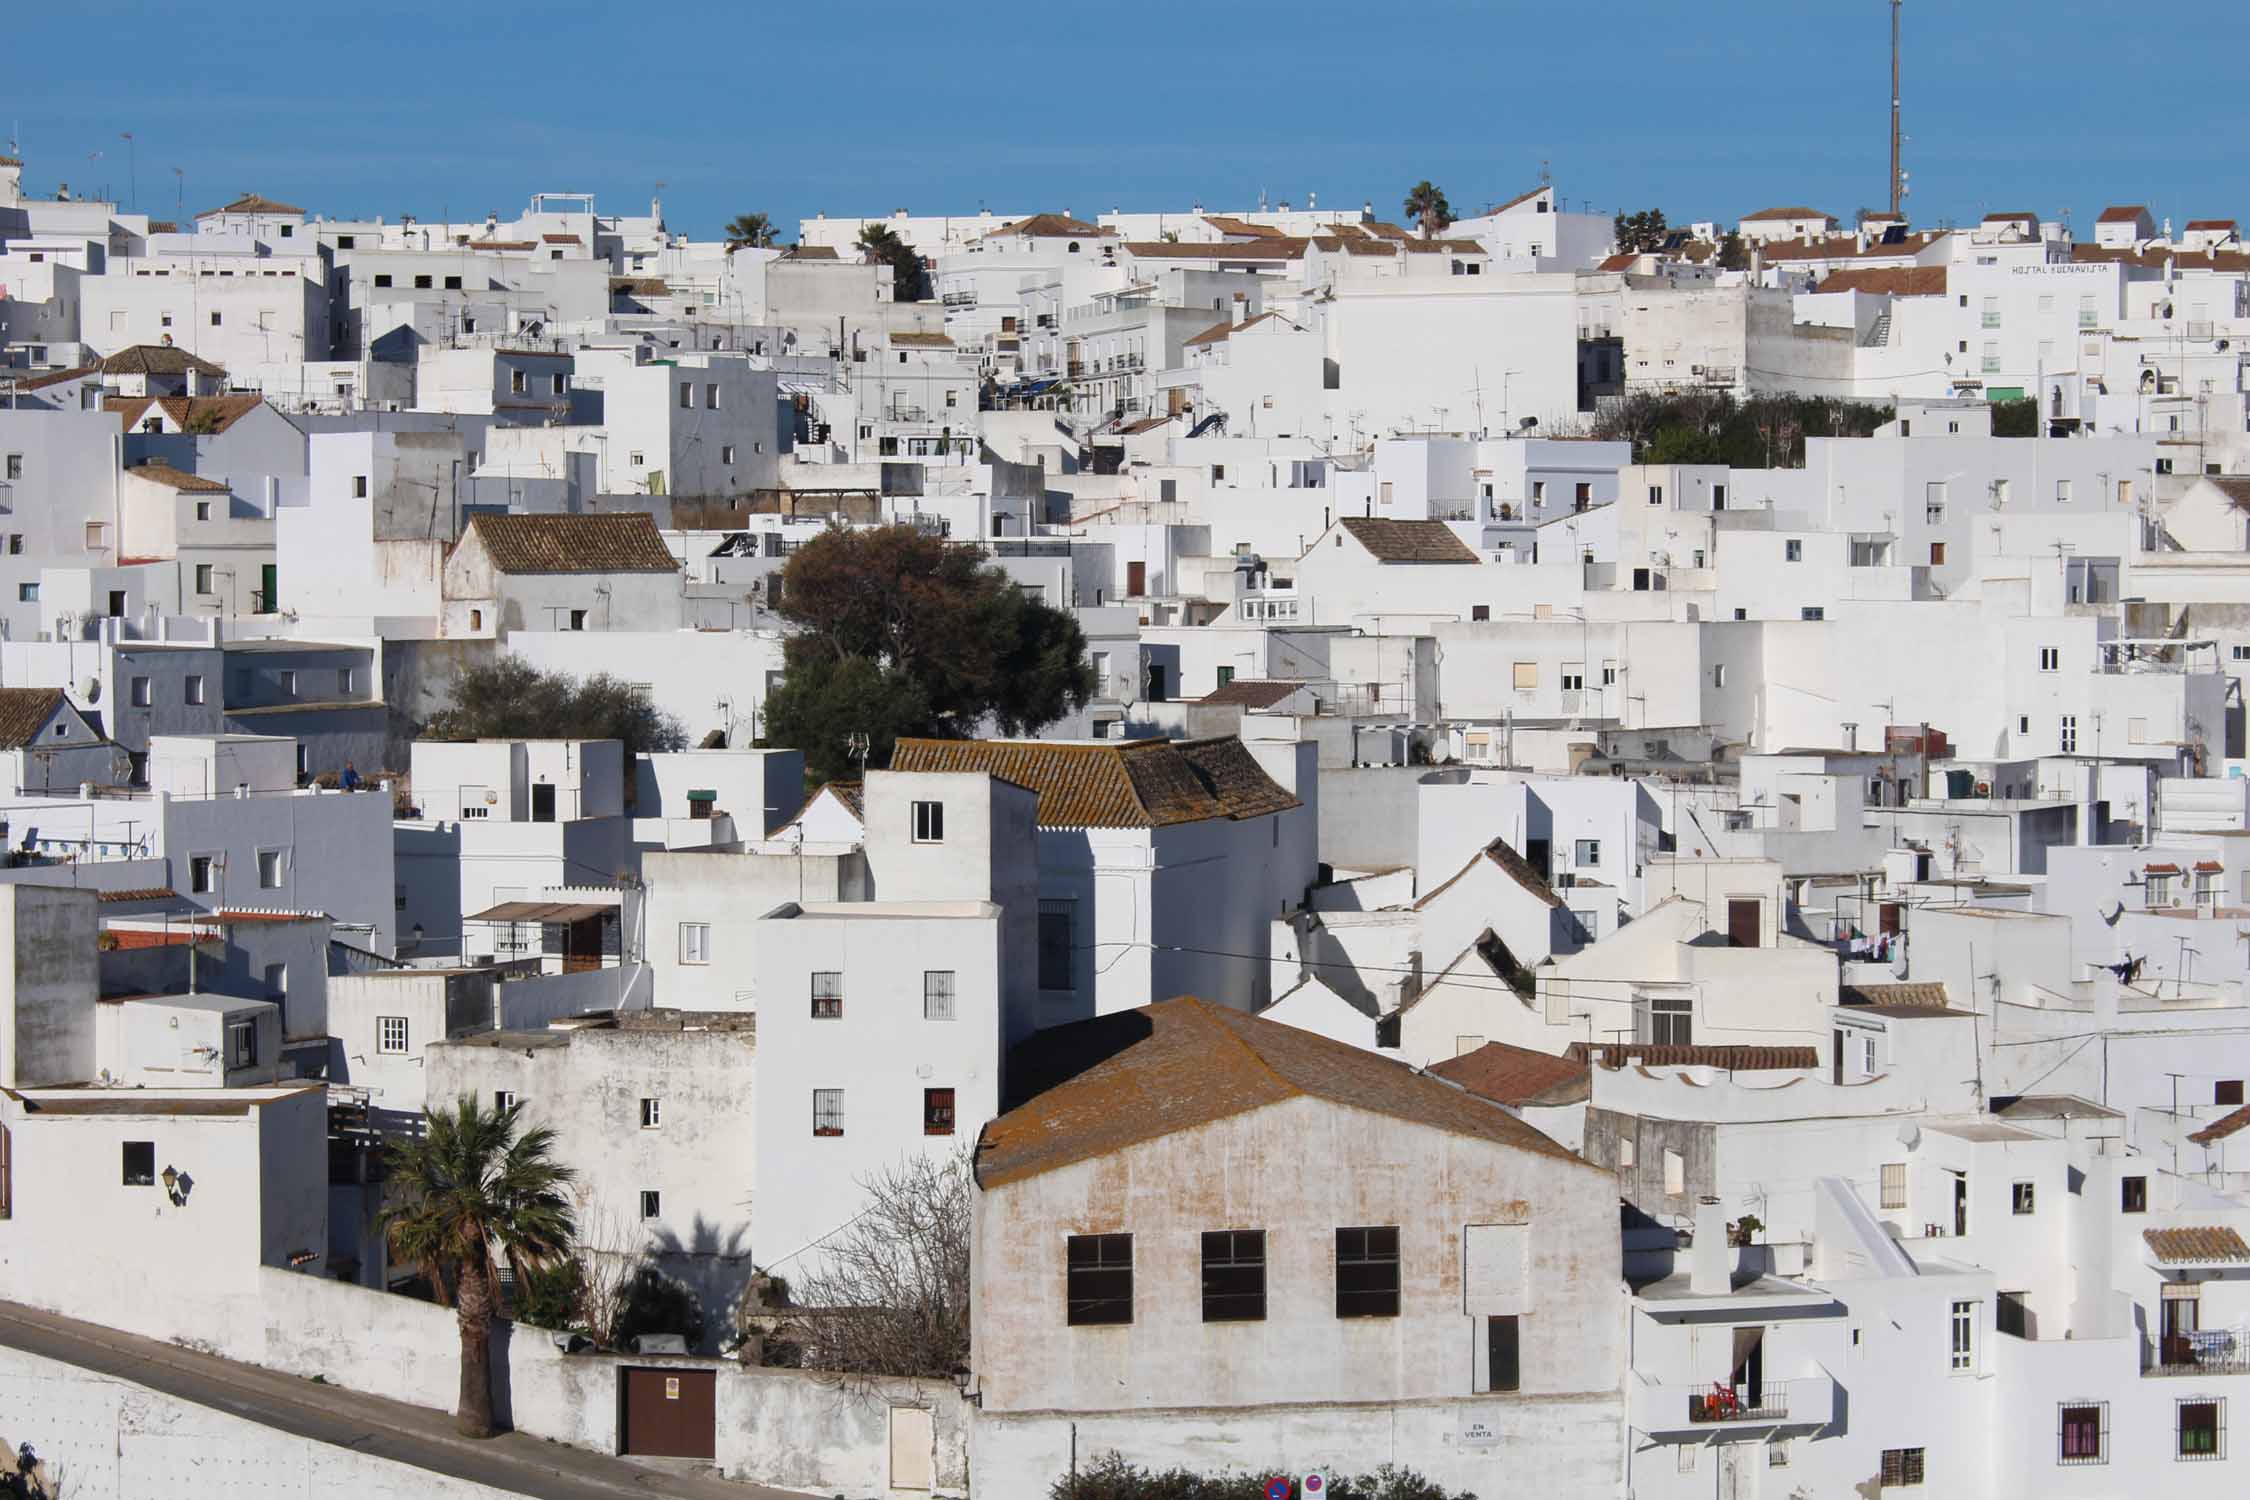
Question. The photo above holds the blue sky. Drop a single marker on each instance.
(792, 108)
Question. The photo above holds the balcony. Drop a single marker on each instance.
(1809, 1401)
(2202, 1351)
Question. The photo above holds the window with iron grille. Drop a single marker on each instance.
(1367, 1282)
(827, 1111)
(937, 1111)
(1234, 1276)
(1894, 1184)
(827, 995)
(2199, 1428)
(1901, 1466)
(937, 994)
(2083, 1435)
(1098, 1279)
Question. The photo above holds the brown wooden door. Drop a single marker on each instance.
(669, 1413)
(1742, 923)
(1888, 916)
(1136, 579)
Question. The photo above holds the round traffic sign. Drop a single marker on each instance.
(1278, 1488)
(1316, 1483)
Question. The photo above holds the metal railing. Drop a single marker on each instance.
(1767, 1402)
(2205, 1351)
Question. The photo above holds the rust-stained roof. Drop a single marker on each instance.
(1226, 224)
(1669, 1055)
(1291, 248)
(157, 359)
(156, 471)
(201, 415)
(251, 203)
(1251, 692)
(1408, 541)
(1185, 1063)
(573, 544)
(921, 341)
(2222, 1127)
(1623, 260)
(1518, 1075)
(59, 377)
(1848, 247)
(2174, 1247)
(24, 711)
(562, 239)
(1905, 1001)
(139, 893)
(2236, 489)
(1514, 865)
(2156, 257)
(133, 1102)
(1895, 281)
(1151, 783)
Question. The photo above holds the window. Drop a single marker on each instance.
(652, 1203)
(1901, 1466)
(138, 691)
(937, 1111)
(652, 1114)
(827, 1111)
(1675, 1173)
(503, 1100)
(1964, 1336)
(1719, 675)
(382, 278)
(390, 1035)
(1480, 612)
(2024, 1198)
(2050, 658)
(1777, 1453)
(204, 573)
(453, 283)
(1098, 1280)
(423, 283)
(518, 383)
(2227, 1091)
(347, 682)
(1234, 1276)
(15, 466)
(929, 822)
(1671, 1020)
(217, 319)
(193, 689)
(27, 593)
(1367, 1283)
(2199, 1428)
(1894, 1184)
(1793, 550)
(140, 1163)
(711, 397)
(1656, 494)
(269, 869)
(577, 620)
(2132, 1195)
(1503, 1354)
(2084, 1436)
(636, 460)
(937, 994)
(1526, 676)
(726, 454)
(289, 683)
(1056, 942)
(559, 383)
(1813, 612)
(687, 395)
(695, 942)
(2067, 735)
(827, 995)
(2157, 889)
(1589, 853)
(203, 872)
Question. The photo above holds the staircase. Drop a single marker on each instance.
(1878, 332)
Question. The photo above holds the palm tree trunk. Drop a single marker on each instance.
(473, 1310)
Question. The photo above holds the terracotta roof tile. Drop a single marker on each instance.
(2184, 1246)
(1151, 783)
(1511, 863)
(921, 341)
(1668, 1055)
(2222, 1127)
(1848, 247)
(1050, 227)
(1185, 1063)
(1408, 541)
(139, 893)
(2195, 224)
(1895, 281)
(24, 711)
(157, 359)
(1277, 249)
(2124, 213)
(2156, 256)
(573, 544)
(59, 377)
(1227, 225)
(1521, 198)
(158, 472)
(1517, 1075)
(1775, 214)
(251, 203)
(1905, 1001)
(562, 239)
(1251, 692)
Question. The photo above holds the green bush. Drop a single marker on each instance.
(1114, 1477)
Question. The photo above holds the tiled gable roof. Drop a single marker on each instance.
(1895, 281)
(1185, 1063)
(2208, 224)
(1768, 215)
(2123, 213)
(1151, 783)
(2186, 1246)
(1251, 692)
(573, 544)
(1672, 1055)
(157, 359)
(1517, 1075)
(24, 711)
(251, 203)
(59, 377)
(921, 341)
(1269, 249)
(1050, 227)
(1848, 247)
(2222, 1127)
(1502, 208)
(158, 472)
(1510, 863)
(1905, 1001)
(1408, 541)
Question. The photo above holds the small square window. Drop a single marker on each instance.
(652, 1204)
(652, 1114)
(203, 510)
(2132, 1195)
(503, 1100)
(1367, 1279)
(2084, 1432)
(203, 874)
(139, 1163)
(937, 994)
(1901, 1467)
(192, 689)
(269, 869)
(1098, 1277)
(695, 942)
(828, 995)
(390, 1035)
(827, 1112)
(937, 1111)
(1589, 853)
(2024, 1198)
(1793, 550)
(929, 822)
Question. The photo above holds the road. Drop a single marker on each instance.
(347, 1419)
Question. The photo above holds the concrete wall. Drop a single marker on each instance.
(51, 982)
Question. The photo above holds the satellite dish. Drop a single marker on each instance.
(93, 690)
(1909, 1136)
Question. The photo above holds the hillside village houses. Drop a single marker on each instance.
(1787, 916)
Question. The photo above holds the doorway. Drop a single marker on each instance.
(543, 802)
(1742, 922)
(668, 1413)
(1960, 1203)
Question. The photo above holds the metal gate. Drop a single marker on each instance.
(668, 1413)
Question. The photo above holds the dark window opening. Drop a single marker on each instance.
(1367, 1282)
(1099, 1279)
(1234, 1276)
(140, 1163)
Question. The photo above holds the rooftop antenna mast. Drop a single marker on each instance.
(1898, 178)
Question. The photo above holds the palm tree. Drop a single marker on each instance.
(471, 1190)
(751, 232)
(880, 244)
(1426, 206)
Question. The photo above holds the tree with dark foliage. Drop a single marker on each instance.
(510, 699)
(1641, 232)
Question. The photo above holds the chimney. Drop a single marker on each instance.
(1711, 1260)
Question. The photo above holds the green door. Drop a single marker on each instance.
(267, 603)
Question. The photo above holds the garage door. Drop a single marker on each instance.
(669, 1413)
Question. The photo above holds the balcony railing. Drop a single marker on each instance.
(2206, 1351)
(1808, 1401)
(1766, 1402)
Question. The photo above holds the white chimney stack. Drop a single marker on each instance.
(1711, 1259)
